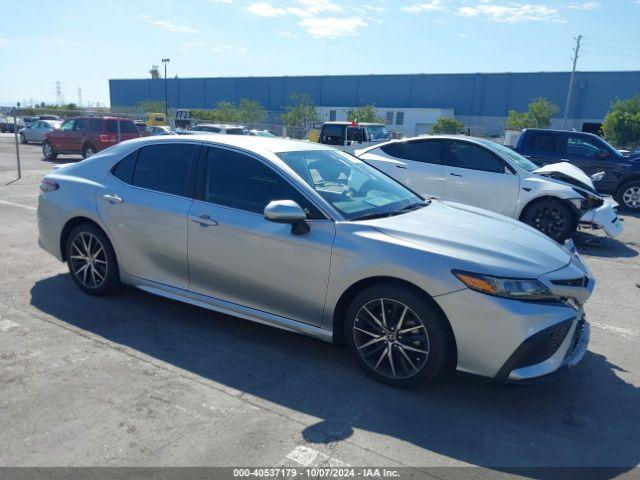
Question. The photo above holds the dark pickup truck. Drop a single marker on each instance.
(591, 154)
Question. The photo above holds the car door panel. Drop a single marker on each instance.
(234, 253)
(234, 260)
(468, 183)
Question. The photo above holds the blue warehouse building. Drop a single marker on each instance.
(409, 103)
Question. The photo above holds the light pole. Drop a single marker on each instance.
(166, 98)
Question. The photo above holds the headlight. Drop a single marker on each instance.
(588, 201)
(517, 288)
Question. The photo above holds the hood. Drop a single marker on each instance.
(568, 173)
(483, 241)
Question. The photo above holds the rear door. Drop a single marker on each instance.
(542, 148)
(478, 177)
(145, 203)
(78, 135)
(415, 163)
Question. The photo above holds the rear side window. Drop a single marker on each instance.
(95, 124)
(474, 157)
(332, 135)
(126, 126)
(542, 142)
(238, 181)
(81, 124)
(164, 168)
(124, 168)
(428, 151)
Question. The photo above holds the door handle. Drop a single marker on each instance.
(454, 174)
(401, 166)
(204, 221)
(113, 198)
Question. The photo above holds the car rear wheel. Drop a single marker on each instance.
(629, 195)
(92, 261)
(48, 151)
(397, 336)
(551, 217)
(88, 150)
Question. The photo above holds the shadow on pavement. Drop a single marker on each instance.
(588, 418)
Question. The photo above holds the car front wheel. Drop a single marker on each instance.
(551, 217)
(23, 139)
(48, 151)
(629, 196)
(397, 336)
(92, 261)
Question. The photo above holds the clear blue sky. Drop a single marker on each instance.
(83, 43)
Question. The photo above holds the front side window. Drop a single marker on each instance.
(236, 180)
(473, 157)
(332, 135)
(427, 151)
(512, 155)
(352, 187)
(164, 167)
(582, 146)
(67, 126)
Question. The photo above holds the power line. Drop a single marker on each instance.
(576, 53)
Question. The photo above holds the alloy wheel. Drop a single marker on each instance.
(88, 260)
(88, 152)
(631, 197)
(390, 338)
(47, 150)
(550, 221)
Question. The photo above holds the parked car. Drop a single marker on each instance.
(7, 125)
(29, 120)
(219, 128)
(142, 128)
(591, 154)
(485, 174)
(260, 133)
(37, 131)
(348, 136)
(412, 286)
(49, 117)
(86, 135)
(160, 130)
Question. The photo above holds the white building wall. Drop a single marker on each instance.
(415, 121)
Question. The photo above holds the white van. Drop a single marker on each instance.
(350, 137)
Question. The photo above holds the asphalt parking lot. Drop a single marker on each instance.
(138, 380)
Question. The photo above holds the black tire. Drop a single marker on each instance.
(552, 217)
(429, 333)
(101, 277)
(49, 152)
(628, 196)
(23, 139)
(88, 150)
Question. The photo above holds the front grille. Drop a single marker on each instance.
(572, 282)
(541, 346)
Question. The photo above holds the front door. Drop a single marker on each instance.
(145, 203)
(591, 157)
(61, 139)
(477, 177)
(238, 256)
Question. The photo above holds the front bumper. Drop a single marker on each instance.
(604, 217)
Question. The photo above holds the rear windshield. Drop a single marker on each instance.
(126, 126)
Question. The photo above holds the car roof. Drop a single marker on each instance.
(219, 125)
(476, 140)
(252, 143)
(556, 130)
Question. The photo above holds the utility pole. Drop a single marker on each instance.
(166, 97)
(576, 53)
(58, 93)
(79, 97)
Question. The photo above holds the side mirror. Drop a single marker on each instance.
(287, 211)
(602, 153)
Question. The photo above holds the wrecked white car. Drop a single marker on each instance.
(554, 199)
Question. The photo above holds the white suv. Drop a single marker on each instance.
(554, 199)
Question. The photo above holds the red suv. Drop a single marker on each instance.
(86, 136)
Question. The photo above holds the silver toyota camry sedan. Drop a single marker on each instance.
(310, 239)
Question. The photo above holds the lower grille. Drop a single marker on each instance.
(537, 348)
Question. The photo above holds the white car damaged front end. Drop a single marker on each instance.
(593, 210)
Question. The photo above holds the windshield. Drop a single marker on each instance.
(352, 187)
(377, 133)
(514, 156)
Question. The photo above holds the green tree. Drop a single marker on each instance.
(621, 126)
(366, 113)
(301, 111)
(150, 106)
(251, 111)
(448, 125)
(538, 115)
(227, 112)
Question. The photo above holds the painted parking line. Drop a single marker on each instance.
(625, 332)
(303, 456)
(28, 207)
